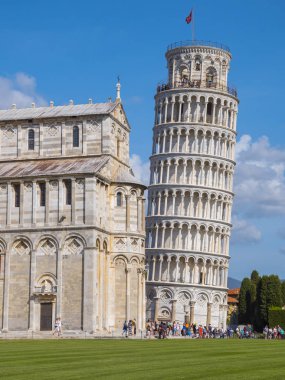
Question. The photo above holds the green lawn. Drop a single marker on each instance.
(134, 359)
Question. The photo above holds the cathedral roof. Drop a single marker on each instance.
(124, 175)
(56, 111)
(48, 167)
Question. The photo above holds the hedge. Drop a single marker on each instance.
(276, 316)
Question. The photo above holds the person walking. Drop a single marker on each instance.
(130, 328)
(125, 329)
(55, 331)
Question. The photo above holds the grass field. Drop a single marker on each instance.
(134, 359)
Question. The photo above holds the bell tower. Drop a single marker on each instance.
(190, 194)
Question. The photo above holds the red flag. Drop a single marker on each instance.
(189, 18)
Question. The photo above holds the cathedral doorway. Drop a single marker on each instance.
(46, 317)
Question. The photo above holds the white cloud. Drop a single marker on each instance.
(259, 181)
(244, 232)
(140, 168)
(20, 90)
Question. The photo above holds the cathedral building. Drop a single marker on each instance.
(190, 194)
(71, 220)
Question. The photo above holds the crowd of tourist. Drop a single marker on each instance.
(276, 333)
(163, 330)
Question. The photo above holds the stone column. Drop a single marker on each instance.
(176, 270)
(127, 212)
(89, 289)
(143, 215)
(167, 173)
(9, 203)
(63, 139)
(163, 237)
(73, 201)
(160, 112)
(163, 143)
(159, 204)
(180, 110)
(5, 324)
(32, 287)
(21, 219)
(139, 299)
(165, 110)
(153, 268)
(59, 282)
(197, 116)
(170, 141)
(34, 204)
(172, 109)
(47, 207)
(41, 139)
(60, 199)
(143, 307)
(209, 313)
(173, 315)
(156, 308)
(160, 267)
(156, 236)
(139, 218)
(128, 292)
(192, 312)
(168, 270)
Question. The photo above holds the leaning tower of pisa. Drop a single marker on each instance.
(190, 194)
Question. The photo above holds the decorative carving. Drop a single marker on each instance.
(184, 298)
(165, 313)
(120, 244)
(47, 247)
(73, 246)
(165, 296)
(202, 299)
(21, 248)
(28, 186)
(3, 187)
(134, 244)
(93, 126)
(52, 129)
(53, 185)
(80, 184)
(9, 132)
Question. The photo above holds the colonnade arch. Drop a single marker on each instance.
(190, 203)
(192, 140)
(194, 108)
(187, 270)
(180, 170)
(189, 237)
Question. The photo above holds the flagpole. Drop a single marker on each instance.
(193, 25)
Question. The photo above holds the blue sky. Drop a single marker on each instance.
(61, 50)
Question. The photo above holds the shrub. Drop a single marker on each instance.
(276, 316)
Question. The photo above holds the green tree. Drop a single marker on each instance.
(255, 284)
(262, 301)
(274, 297)
(255, 278)
(283, 292)
(244, 301)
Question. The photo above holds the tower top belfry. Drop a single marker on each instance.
(198, 64)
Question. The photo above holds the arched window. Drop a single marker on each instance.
(198, 63)
(119, 199)
(31, 139)
(211, 77)
(209, 109)
(75, 137)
